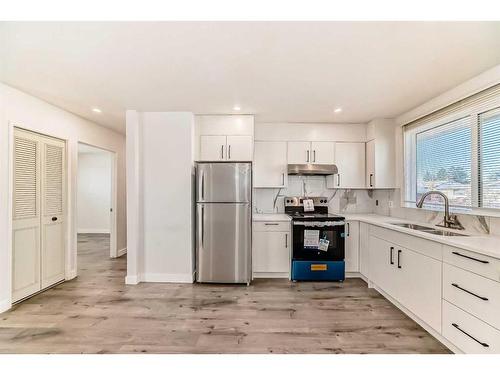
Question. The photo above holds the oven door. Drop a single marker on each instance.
(332, 231)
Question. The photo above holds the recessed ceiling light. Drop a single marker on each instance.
(337, 110)
(96, 110)
(236, 107)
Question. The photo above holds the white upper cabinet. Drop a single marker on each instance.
(270, 164)
(299, 152)
(322, 152)
(350, 161)
(239, 148)
(381, 154)
(213, 147)
(311, 152)
(370, 164)
(224, 137)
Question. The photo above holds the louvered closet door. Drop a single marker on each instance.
(26, 215)
(53, 203)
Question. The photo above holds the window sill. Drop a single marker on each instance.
(456, 210)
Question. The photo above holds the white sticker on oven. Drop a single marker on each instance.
(323, 244)
(311, 239)
(308, 205)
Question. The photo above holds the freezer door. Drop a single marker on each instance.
(223, 240)
(224, 182)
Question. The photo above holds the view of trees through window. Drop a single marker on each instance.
(443, 162)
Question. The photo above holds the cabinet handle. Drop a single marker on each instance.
(283, 179)
(286, 240)
(399, 258)
(468, 291)
(314, 156)
(338, 179)
(391, 257)
(469, 335)
(307, 156)
(271, 223)
(348, 229)
(54, 218)
(371, 183)
(471, 258)
(229, 152)
(222, 152)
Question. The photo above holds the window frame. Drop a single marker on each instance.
(408, 193)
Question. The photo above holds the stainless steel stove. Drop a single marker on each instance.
(318, 242)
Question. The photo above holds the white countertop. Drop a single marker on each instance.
(271, 217)
(481, 244)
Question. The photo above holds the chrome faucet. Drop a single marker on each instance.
(450, 221)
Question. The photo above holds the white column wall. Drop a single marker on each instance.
(160, 198)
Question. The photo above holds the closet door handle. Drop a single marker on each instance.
(469, 335)
(471, 258)
(399, 258)
(468, 291)
(307, 156)
(391, 257)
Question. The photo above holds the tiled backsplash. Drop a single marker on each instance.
(364, 201)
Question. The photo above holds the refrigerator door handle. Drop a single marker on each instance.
(202, 185)
(202, 226)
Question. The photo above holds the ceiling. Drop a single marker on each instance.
(279, 71)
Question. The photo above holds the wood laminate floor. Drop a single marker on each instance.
(98, 313)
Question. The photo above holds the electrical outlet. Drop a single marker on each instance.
(391, 204)
(376, 202)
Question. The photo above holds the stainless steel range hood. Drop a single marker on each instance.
(312, 169)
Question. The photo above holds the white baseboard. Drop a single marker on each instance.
(121, 252)
(5, 305)
(132, 280)
(90, 231)
(167, 278)
(70, 275)
(271, 275)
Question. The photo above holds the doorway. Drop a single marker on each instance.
(96, 202)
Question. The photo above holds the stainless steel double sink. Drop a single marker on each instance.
(430, 230)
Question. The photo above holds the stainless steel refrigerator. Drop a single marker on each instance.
(223, 222)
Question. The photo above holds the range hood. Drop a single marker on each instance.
(312, 169)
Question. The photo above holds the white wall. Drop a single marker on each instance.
(94, 192)
(160, 154)
(28, 112)
(288, 131)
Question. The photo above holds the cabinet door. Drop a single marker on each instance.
(239, 148)
(212, 147)
(370, 164)
(352, 246)
(271, 252)
(270, 167)
(299, 152)
(419, 285)
(364, 247)
(322, 152)
(383, 265)
(350, 160)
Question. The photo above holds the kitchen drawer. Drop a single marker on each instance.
(426, 247)
(271, 226)
(474, 262)
(468, 333)
(473, 293)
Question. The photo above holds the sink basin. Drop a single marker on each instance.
(422, 228)
(413, 226)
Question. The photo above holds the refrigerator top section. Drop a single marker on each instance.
(226, 182)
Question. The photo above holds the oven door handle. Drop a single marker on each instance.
(319, 224)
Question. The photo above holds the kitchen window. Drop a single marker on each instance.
(456, 151)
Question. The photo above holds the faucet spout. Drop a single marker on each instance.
(450, 221)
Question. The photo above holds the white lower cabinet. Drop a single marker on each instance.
(271, 249)
(413, 279)
(352, 246)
